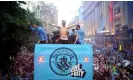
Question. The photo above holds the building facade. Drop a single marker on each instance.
(106, 16)
(74, 21)
(95, 17)
(80, 15)
(50, 16)
(123, 14)
(43, 12)
(78, 18)
(106, 19)
(31, 5)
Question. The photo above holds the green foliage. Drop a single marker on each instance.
(14, 30)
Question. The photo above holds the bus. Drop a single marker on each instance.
(63, 62)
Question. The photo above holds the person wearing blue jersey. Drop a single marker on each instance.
(73, 36)
(41, 33)
(63, 39)
(79, 35)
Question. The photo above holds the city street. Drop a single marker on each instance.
(107, 26)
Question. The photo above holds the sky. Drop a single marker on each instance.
(67, 9)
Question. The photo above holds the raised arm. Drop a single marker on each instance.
(30, 27)
(76, 38)
(54, 25)
(73, 25)
(33, 29)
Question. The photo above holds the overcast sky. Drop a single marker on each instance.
(67, 9)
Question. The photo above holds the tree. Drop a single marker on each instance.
(13, 29)
(33, 36)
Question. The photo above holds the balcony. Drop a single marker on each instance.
(117, 21)
(117, 16)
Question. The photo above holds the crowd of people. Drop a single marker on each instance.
(111, 64)
(22, 67)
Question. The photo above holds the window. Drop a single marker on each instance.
(118, 26)
(38, 7)
(114, 20)
(100, 15)
(117, 10)
(117, 21)
(115, 2)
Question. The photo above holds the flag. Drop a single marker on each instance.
(110, 11)
(114, 68)
(115, 72)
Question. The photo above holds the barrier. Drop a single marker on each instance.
(24, 79)
(63, 62)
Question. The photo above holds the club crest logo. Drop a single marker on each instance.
(62, 60)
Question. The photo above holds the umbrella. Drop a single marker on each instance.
(97, 51)
(131, 63)
(126, 62)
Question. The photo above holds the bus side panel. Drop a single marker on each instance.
(56, 61)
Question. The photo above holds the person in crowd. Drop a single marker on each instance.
(72, 36)
(16, 76)
(106, 67)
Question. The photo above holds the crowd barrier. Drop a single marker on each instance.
(24, 79)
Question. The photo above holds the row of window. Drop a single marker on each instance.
(116, 20)
(116, 10)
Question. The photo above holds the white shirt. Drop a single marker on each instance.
(96, 68)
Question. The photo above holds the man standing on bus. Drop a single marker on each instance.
(63, 31)
(79, 35)
(41, 33)
(73, 36)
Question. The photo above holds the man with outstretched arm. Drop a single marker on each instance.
(63, 31)
(40, 31)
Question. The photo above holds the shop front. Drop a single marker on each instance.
(105, 39)
(126, 39)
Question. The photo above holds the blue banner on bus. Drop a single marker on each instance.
(63, 62)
